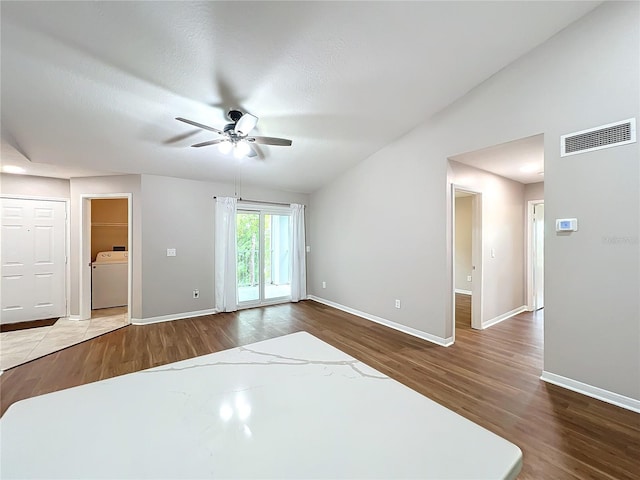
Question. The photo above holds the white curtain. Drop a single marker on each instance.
(225, 255)
(298, 254)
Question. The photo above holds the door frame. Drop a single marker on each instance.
(67, 240)
(530, 300)
(84, 275)
(476, 257)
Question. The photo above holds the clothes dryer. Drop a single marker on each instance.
(109, 280)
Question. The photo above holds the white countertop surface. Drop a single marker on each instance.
(290, 407)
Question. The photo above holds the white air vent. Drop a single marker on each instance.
(605, 136)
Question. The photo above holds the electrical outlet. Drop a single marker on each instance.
(171, 252)
(196, 293)
(324, 284)
(468, 278)
(397, 303)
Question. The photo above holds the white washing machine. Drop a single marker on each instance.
(109, 280)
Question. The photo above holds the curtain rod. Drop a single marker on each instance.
(240, 199)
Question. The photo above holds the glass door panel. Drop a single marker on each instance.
(277, 256)
(248, 256)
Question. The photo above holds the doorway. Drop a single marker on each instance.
(105, 258)
(263, 261)
(467, 258)
(463, 267)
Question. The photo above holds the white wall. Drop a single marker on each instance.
(33, 186)
(178, 213)
(463, 267)
(381, 231)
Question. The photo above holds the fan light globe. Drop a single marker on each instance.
(225, 147)
(241, 150)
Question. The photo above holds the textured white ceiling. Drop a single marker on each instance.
(96, 85)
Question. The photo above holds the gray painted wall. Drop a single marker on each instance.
(382, 230)
(179, 214)
(34, 186)
(374, 236)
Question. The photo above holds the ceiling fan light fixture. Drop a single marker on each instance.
(225, 147)
(235, 135)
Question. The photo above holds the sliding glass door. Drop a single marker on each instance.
(263, 244)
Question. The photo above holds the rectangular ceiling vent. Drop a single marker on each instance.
(605, 136)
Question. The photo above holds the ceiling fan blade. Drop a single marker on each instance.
(246, 123)
(210, 142)
(199, 125)
(270, 141)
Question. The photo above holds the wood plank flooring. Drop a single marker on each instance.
(463, 311)
(490, 377)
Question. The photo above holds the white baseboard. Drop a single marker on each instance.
(74, 317)
(503, 317)
(591, 391)
(174, 316)
(444, 342)
(464, 292)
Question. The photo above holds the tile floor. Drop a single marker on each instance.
(21, 346)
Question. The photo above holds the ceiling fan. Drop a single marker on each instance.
(235, 136)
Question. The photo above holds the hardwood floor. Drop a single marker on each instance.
(463, 311)
(490, 377)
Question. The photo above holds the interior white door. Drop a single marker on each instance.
(538, 256)
(32, 256)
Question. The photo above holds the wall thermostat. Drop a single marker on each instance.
(566, 225)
